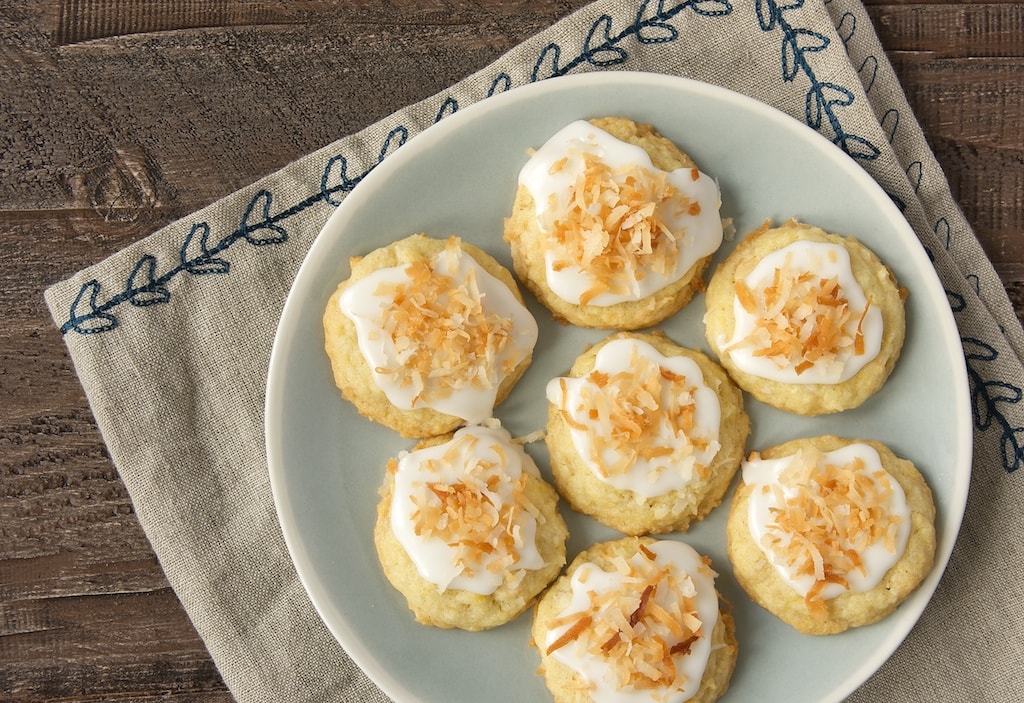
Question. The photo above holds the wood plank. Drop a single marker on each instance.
(104, 648)
(978, 101)
(972, 113)
(120, 150)
(943, 29)
(988, 184)
(85, 20)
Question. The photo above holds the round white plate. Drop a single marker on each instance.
(459, 177)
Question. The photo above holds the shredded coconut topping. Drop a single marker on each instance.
(613, 227)
(643, 412)
(824, 518)
(801, 319)
(443, 337)
(641, 627)
(478, 516)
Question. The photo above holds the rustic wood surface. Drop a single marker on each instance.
(120, 116)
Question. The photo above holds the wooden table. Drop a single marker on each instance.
(120, 116)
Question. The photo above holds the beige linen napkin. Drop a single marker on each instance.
(171, 339)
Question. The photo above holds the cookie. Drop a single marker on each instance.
(828, 533)
(467, 530)
(805, 321)
(644, 435)
(427, 334)
(613, 225)
(635, 617)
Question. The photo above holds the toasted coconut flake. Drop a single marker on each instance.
(443, 337)
(800, 319)
(613, 226)
(826, 517)
(643, 412)
(631, 626)
(471, 517)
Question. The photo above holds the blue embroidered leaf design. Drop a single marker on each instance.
(987, 397)
(944, 232)
(915, 172)
(548, 60)
(957, 303)
(821, 98)
(502, 83)
(711, 8)
(859, 148)
(797, 43)
(336, 179)
(93, 321)
(868, 71)
(599, 48)
(890, 122)
(396, 138)
(1013, 448)
(331, 184)
(201, 262)
(975, 282)
(767, 14)
(1002, 392)
(145, 291)
(263, 231)
(847, 27)
(652, 30)
(449, 107)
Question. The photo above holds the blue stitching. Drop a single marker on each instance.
(607, 52)
(975, 282)
(874, 72)
(946, 235)
(842, 23)
(986, 398)
(915, 172)
(205, 263)
(260, 227)
(501, 83)
(150, 293)
(894, 114)
(449, 106)
(822, 96)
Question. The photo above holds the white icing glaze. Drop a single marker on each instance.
(826, 260)
(698, 581)
(368, 309)
(646, 477)
(700, 235)
(472, 456)
(877, 559)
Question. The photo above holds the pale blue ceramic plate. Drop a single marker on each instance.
(459, 177)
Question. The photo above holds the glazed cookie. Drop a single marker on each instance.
(635, 619)
(612, 225)
(467, 530)
(829, 533)
(804, 320)
(427, 334)
(644, 435)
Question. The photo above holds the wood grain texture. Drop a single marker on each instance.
(118, 117)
